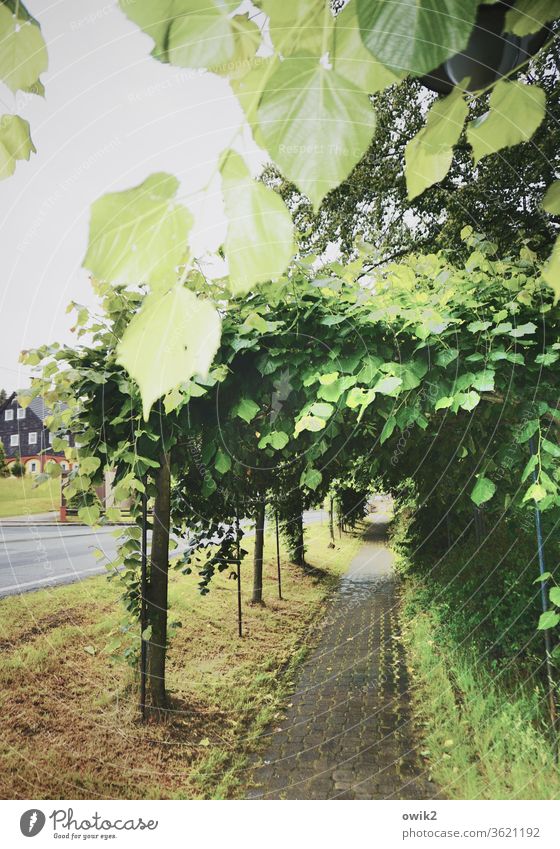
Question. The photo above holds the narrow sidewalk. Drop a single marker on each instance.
(348, 731)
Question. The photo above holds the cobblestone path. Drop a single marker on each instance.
(348, 732)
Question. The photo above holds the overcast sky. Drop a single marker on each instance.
(112, 115)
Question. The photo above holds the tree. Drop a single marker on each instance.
(3, 396)
(4, 469)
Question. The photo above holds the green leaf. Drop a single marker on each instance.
(90, 650)
(311, 478)
(23, 53)
(89, 515)
(333, 391)
(298, 26)
(311, 423)
(530, 16)
(222, 463)
(315, 124)
(444, 402)
(246, 409)
(484, 380)
(554, 596)
(198, 36)
(415, 37)
(469, 400)
(550, 448)
(447, 356)
(387, 385)
(551, 270)
(550, 619)
(388, 429)
(527, 431)
(328, 379)
(172, 338)
(352, 60)
(429, 154)
(478, 326)
(536, 492)
(246, 41)
(516, 110)
(322, 410)
(277, 439)
(523, 330)
(15, 143)
(546, 576)
(551, 201)
(260, 235)
(139, 235)
(530, 467)
(89, 465)
(483, 491)
(547, 359)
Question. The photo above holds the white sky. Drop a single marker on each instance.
(112, 115)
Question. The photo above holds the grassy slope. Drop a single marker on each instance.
(69, 718)
(482, 742)
(18, 496)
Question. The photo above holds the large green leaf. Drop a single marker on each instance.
(188, 33)
(352, 60)
(415, 37)
(315, 124)
(23, 53)
(203, 36)
(15, 143)
(551, 201)
(139, 235)
(260, 235)
(530, 16)
(247, 38)
(172, 338)
(483, 491)
(298, 27)
(551, 270)
(429, 154)
(311, 478)
(516, 110)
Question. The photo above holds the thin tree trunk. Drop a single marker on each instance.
(259, 551)
(156, 600)
(331, 520)
(299, 558)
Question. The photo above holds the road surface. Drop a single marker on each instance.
(35, 556)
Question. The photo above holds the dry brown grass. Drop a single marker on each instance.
(70, 726)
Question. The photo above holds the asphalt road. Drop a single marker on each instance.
(34, 556)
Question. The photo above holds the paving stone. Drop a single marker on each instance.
(349, 733)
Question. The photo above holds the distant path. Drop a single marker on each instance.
(347, 733)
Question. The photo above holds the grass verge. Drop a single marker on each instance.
(70, 724)
(20, 497)
(482, 740)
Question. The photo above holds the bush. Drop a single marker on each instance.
(17, 469)
(4, 470)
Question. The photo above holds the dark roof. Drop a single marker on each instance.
(39, 408)
(8, 401)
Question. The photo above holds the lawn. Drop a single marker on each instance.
(20, 497)
(481, 740)
(70, 724)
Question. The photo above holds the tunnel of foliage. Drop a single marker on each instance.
(425, 379)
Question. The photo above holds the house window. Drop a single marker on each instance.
(21, 413)
(64, 466)
(50, 438)
(9, 415)
(14, 439)
(33, 467)
(32, 437)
